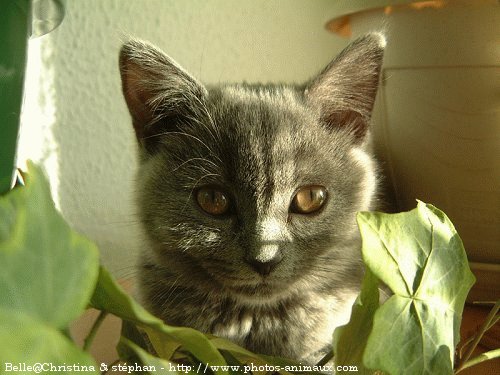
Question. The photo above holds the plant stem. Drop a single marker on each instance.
(484, 327)
(93, 331)
(493, 322)
(470, 339)
(480, 358)
(323, 361)
(483, 303)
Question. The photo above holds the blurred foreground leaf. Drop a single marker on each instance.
(24, 340)
(48, 275)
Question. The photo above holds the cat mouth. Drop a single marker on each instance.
(253, 284)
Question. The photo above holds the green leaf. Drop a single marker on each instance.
(109, 297)
(349, 341)
(420, 256)
(131, 332)
(234, 364)
(48, 270)
(131, 351)
(246, 357)
(242, 354)
(25, 340)
(165, 347)
(289, 366)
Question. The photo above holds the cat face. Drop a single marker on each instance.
(253, 188)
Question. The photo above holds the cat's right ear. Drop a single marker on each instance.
(159, 93)
(345, 90)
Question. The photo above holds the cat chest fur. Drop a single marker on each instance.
(275, 330)
(299, 327)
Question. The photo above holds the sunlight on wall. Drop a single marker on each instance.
(36, 140)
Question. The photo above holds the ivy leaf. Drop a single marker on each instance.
(131, 352)
(109, 296)
(243, 357)
(48, 270)
(27, 341)
(420, 256)
(48, 275)
(349, 341)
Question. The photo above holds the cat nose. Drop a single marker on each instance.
(264, 268)
(264, 257)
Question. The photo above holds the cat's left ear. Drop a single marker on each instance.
(345, 90)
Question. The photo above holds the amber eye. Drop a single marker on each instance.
(308, 199)
(212, 201)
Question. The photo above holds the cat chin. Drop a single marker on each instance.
(261, 293)
(259, 299)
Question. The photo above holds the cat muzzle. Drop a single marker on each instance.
(265, 259)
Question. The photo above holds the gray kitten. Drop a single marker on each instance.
(248, 197)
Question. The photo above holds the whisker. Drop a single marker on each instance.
(183, 134)
(194, 159)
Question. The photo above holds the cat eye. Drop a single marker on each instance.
(212, 201)
(308, 199)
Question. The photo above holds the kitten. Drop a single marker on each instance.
(248, 196)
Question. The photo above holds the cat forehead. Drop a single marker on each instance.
(273, 120)
(263, 111)
(264, 119)
(270, 139)
(274, 95)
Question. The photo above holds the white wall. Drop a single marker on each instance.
(75, 122)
